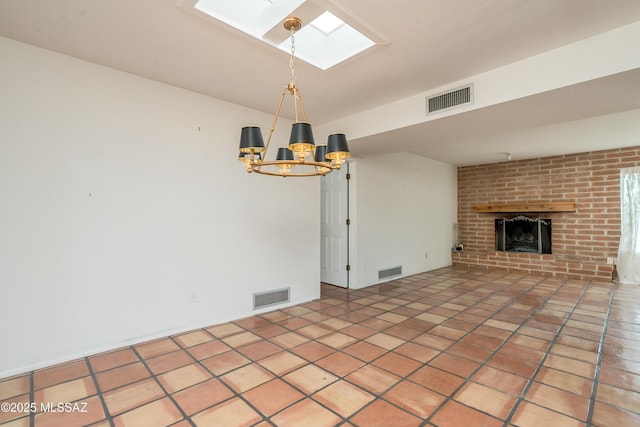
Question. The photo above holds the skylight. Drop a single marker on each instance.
(327, 23)
(254, 17)
(324, 42)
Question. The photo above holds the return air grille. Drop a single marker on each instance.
(265, 299)
(390, 272)
(450, 99)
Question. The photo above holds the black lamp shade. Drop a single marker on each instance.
(301, 133)
(321, 153)
(284, 154)
(251, 140)
(337, 146)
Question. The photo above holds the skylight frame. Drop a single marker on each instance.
(253, 17)
(316, 45)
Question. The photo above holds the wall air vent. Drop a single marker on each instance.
(450, 99)
(268, 298)
(390, 272)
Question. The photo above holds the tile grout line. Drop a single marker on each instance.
(219, 377)
(366, 363)
(406, 377)
(520, 398)
(448, 398)
(494, 352)
(265, 418)
(287, 350)
(280, 377)
(339, 377)
(94, 378)
(32, 393)
(167, 394)
(314, 363)
(343, 378)
(410, 291)
(239, 395)
(596, 379)
(448, 292)
(378, 331)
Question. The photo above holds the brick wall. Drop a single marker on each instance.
(582, 240)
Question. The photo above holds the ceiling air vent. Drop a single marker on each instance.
(452, 98)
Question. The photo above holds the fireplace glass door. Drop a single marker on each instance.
(523, 234)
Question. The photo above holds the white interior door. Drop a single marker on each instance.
(334, 229)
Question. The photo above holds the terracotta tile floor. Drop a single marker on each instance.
(451, 347)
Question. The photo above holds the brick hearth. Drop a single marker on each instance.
(582, 240)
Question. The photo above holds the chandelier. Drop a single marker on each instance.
(302, 157)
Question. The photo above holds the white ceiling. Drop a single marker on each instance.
(426, 44)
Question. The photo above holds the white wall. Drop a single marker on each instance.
(119, 196)
(406, 206)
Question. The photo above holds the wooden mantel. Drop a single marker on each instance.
(527, 207)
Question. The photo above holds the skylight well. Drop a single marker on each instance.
(325, 41)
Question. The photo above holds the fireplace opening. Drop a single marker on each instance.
(523, 234)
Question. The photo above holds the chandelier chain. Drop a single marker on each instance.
(292, 59)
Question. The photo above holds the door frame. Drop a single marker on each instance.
(349, 251)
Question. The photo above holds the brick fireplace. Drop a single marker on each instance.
(583, 238)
